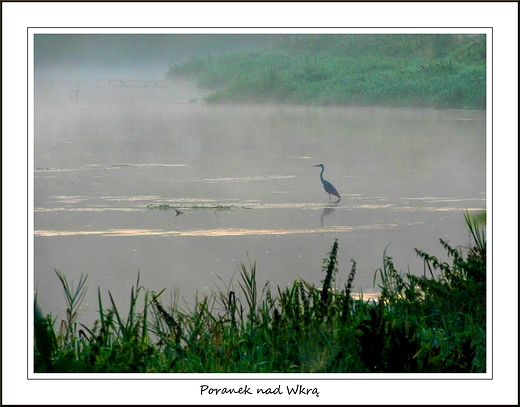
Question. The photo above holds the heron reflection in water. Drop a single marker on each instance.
(327, 210)
(329, 188)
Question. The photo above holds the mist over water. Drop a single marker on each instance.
(130, 57)
(244, 180)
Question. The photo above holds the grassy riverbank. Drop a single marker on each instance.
(418, 324)
(408, 70)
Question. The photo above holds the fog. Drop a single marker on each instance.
(87, 57)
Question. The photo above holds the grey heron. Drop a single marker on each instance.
(329, 188)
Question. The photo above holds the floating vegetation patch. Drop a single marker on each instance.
(218, 207)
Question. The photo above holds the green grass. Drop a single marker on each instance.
(417, 325)
(444, 71)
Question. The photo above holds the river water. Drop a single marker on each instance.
(110, 157)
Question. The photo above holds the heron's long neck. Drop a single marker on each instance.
(321, 174)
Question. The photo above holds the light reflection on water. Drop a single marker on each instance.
(209, 232)
(251, 205)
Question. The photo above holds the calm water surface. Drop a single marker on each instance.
(243, 177)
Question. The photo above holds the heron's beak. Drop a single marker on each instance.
(317, 165)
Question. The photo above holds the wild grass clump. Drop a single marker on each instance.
(433, 323)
